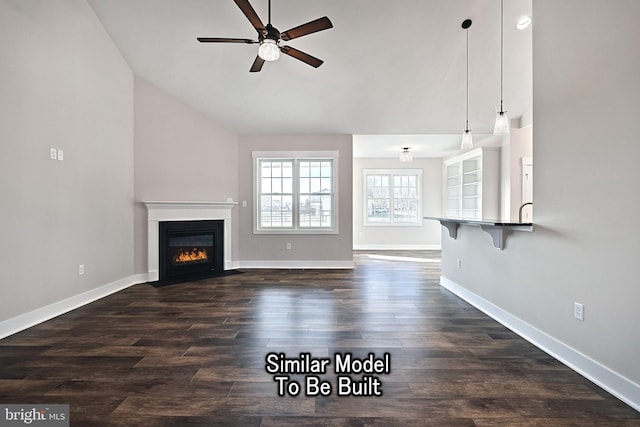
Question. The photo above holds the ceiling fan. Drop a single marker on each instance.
(269, 38)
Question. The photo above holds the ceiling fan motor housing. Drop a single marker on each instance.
(270, 32)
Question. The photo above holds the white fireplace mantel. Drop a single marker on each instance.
(185, 211)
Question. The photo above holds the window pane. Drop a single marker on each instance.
(405, 211)
(315, 169)
(326, 212)
(266, 169)
(315, 185)
(325, 185)
(378, 210)
(378, 201)
(276, 211)
(316, 211)
(287, 169)
(287, 185)
(304, 169)
(309, 212)
(266, 185)
(326, 169)
(276, 185)
(305, 187)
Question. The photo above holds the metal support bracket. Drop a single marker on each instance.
(497, 235)
(452, 227)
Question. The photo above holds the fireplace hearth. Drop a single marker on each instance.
(190, 249)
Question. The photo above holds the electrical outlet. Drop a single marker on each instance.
(288, 245)
(81, 269)
(578, 311)
(53, 153)
(60, 155)
(459, 263)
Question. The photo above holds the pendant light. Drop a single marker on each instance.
(467, 140)
(502, 120)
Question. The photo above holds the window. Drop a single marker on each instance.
(393, 197)
(295, 192)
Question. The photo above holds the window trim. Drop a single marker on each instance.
(295, 156)
(391, 173)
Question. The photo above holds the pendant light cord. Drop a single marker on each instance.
(467, 118)
(269, 12)
(501, 47)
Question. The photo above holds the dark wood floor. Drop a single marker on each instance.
(194, 354)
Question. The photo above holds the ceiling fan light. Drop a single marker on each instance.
(269, 50)
(502, 123)
(467, 140)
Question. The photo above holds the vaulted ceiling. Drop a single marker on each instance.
(391, 67)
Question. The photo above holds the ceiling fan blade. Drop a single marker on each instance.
(257, 65)
(251, 14)
(225, 40)
(304, 57)
(310, 27)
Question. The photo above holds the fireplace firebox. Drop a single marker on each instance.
(190, 248)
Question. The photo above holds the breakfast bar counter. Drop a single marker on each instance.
(497, 229)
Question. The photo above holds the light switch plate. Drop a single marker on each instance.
(578, 311)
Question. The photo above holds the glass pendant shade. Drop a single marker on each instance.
(502, 123)
(269, 50)
(467, 140)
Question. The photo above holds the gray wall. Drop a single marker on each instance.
(425, 237)
(180, 155)
(63, 85)
(585, 244)
(311, 248)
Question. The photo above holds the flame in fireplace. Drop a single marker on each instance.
(194, 254)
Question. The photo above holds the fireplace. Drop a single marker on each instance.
(190, 248)
(167, 211)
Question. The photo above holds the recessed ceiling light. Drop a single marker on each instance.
(523, 23)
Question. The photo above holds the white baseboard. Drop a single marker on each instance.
(39, 315)
(616, 384)
(309, 265)
(400, 247)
